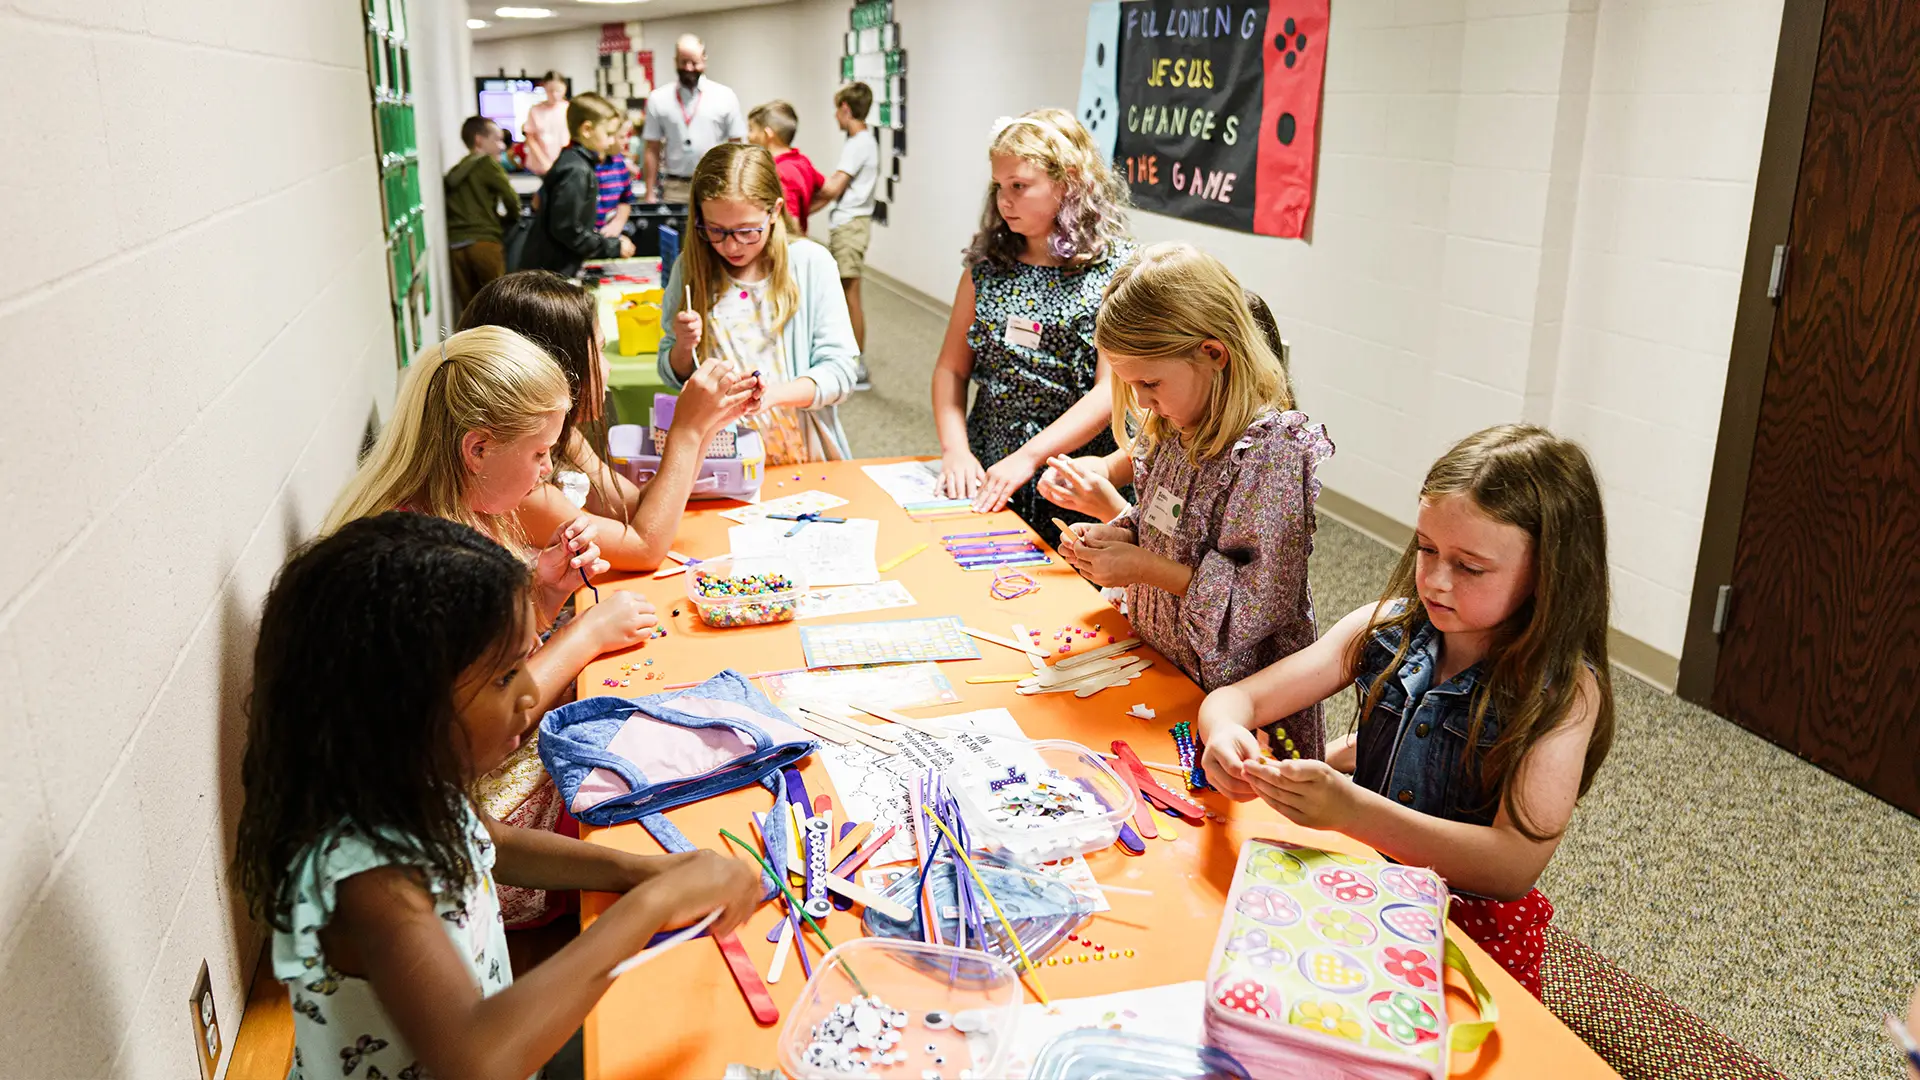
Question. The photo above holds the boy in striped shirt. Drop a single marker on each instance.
(615, 178)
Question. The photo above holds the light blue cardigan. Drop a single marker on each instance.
(818, 340)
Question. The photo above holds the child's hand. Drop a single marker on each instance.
(1229, 752)
(687, 329)
(1104, 560)
(706, 880)
(571, 550)
(621, 619)
(1310, 793)
(715, 395)
(626, 248)
(1005, 477)
(1081, 485)
(960, 474)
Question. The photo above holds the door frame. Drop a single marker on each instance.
(1778, 179)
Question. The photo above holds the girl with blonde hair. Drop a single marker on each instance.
(1485, 704)
(1051, 235)
(765, 301)
(1213, 556)
(471, 436)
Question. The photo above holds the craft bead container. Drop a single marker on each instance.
(1001, 816)
(754, 603)
(975, 1000)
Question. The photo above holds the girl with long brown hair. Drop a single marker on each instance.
(765, 301)
(1486, 705)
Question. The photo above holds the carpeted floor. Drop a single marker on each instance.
(1775, 901)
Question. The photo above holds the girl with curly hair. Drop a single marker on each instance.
(1052, 233)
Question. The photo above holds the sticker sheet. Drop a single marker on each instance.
(806, 502)
(905, 641)
(854, 599)
(887, 686)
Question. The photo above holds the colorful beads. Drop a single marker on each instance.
(1189, 751)
(747, 600)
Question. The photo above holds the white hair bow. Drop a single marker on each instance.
(1001, 124)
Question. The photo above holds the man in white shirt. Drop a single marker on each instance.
(851, 189)
(697, 115)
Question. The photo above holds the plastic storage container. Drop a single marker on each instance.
(630, 449)
(744, 609)
(1090, 802)
(1101, 1054)
(962, 1004)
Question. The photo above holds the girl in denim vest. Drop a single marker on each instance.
(1485, 702)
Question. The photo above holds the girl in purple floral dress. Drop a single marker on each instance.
(1213, 555)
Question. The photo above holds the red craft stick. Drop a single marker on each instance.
(858, 859)
(759, 1002)
(1150, 788)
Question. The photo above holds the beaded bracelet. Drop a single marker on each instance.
(1011, 585)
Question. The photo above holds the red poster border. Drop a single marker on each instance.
(1284, 174)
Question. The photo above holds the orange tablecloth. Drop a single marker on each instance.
(682, 1016)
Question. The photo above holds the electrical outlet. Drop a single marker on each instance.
(206, 1024)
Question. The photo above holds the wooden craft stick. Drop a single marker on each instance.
(1159, 766)
(645, 955)
(818, 724)
(803, 722)
(1055, 677)
(1119, 678)
(1100, 653)
(1106, 677)
(852, 863)
(780, 951)
(1039, 662)
(848, 843)
(1104, 887)
(902, 557)
(669, 571)
(868, 898)
(996, 639)
(933, 731)
(978, 679)
(747, 977)
(858, 727)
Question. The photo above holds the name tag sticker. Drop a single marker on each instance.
(1163, 513)
(1023, 332)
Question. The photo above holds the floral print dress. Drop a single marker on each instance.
(339, 1028)
(1020, 390)
(1243, 521)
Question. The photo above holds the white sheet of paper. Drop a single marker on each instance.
(873, 787)
(907, 481)
(827, 553)
(1174, 1011)
(805, 502)
(849, 599)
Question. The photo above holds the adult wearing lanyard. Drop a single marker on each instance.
(698, 115)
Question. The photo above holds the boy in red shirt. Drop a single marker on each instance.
(773, 126)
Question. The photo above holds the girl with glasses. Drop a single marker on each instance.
(764, 300)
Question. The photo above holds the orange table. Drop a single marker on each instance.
(682, 1016)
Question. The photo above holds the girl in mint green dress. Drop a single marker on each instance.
(389, 675)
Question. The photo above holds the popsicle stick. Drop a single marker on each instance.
(902, 557)
(866, 897)
(849, 843)
(780, 950)
(645, 955)
(827, 728)
(833, 737)
(1055, 677)
(978, 679)
(747, 977)
(847, 723)
(931, 730)
(996, 639)
(1100, 653)
(1039, 662)
(1120, 678)
(1099, 673)
(852, 863)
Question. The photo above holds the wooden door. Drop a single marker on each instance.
(1821, 650)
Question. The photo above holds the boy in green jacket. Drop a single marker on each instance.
(477, 190)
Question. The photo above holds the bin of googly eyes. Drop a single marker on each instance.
(905, 1010)
(1040, 801)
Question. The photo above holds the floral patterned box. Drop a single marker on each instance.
(1328, 965)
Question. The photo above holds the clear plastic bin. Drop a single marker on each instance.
(975, 999)
(744, 609)
(1101, 801)
(1100, 1054)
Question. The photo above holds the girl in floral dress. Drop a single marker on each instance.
(1053, 231)
(1213, 555)
(391, 671)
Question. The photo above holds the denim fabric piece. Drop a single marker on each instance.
(574, 737)
(1412, 747)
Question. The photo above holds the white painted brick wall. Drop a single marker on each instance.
(196, 326)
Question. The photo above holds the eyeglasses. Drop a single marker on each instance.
(749, 235)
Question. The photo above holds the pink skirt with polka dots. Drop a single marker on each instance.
(1512, 931)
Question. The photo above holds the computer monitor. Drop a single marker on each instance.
(506, 101)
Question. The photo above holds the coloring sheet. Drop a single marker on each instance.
(828, 554)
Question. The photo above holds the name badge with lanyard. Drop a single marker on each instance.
(1163, 513)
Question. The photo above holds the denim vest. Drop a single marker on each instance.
(1410, 747)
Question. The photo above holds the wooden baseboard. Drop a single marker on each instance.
(263, 1047)
(932, 305)
(1627, 652)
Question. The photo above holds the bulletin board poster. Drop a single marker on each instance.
(1210, 110)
